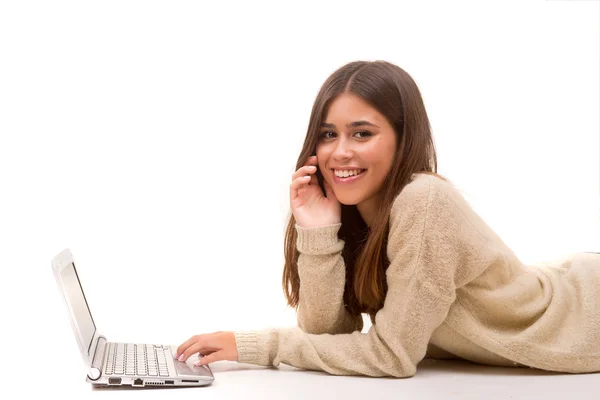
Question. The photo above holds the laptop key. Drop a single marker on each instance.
(137, 359)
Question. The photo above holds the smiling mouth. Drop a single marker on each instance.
(348, 180)
(360, 172)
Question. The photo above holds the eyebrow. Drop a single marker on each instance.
(350, 125)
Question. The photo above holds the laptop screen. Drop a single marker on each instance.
(81, 312)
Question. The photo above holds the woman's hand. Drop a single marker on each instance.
(213, 346)
(307, 202)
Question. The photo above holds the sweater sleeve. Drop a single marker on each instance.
(420, 292)
(322, 280)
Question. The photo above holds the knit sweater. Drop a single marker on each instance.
(455, 290)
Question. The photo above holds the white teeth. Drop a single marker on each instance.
(347, 173)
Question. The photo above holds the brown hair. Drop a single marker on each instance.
(391, 91)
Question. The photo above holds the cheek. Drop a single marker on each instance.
(372, 157)
(322, 156)
(380, 155)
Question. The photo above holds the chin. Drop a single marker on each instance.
(348, 200)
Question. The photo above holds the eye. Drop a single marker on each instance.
(365, 134)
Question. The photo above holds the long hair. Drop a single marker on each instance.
(391, 91)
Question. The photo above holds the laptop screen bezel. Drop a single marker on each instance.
(62, 261)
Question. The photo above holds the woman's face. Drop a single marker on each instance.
(353, 136)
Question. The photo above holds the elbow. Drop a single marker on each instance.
(401, 370)
(396, 366)
(408, 372)
(318, 324)
(312, 323)
(319, 327)
(313, 327)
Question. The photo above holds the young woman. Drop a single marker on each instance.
(374, 229)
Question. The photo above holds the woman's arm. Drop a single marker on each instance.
(430, 235)
(322, 279)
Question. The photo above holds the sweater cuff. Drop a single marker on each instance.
(254, 347)
(247, 347)
(319, 240)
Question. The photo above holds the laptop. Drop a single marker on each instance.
(116, 364)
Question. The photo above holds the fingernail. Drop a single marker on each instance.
(180, 358)
(312, 167)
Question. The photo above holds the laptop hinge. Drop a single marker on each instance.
(96, 367)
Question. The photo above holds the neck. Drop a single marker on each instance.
(368, 209)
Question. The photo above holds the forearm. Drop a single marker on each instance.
(321, 300)
(322, 280)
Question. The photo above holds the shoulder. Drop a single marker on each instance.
(422, 192)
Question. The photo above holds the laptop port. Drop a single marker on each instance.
(114, 381)
(189, 380)
(169, 382)
(138, 382)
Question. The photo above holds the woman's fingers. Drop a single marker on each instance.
(186, 345)
(304, 175)
(198, 347)
(309, 167)
(210, 347)
(298, 184)
(303, 171)
(210, 358)
(195, 344)
(201, 346)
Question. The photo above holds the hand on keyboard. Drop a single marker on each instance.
(211, 347)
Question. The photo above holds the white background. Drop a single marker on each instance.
(157, 140)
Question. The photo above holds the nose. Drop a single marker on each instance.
(342, 150)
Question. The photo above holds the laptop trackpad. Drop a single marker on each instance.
(187, 367)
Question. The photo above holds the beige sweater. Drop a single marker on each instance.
(454, 290)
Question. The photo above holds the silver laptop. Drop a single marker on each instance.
(108, 363)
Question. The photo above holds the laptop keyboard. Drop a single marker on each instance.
(137, 359)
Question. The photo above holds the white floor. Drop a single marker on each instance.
(434, 380)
